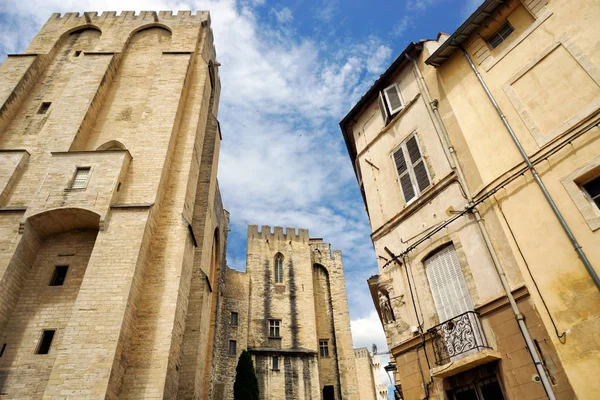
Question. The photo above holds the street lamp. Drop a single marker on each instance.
(389, 369)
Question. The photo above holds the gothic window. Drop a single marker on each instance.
(413, 174)
(274, 325)
(279, 268)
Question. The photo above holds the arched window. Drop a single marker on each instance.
(278, 268)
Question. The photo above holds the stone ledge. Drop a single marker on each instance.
(471, 361)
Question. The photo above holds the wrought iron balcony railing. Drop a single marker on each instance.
(457, 337)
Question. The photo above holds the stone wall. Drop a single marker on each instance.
(129, 96)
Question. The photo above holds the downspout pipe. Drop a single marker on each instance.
(538, 180)
(488, 243)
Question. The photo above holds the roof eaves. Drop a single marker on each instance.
(463, 32)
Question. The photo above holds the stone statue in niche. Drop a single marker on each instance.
(387, 315)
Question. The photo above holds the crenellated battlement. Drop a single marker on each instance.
(91, 16)
(116, 29)
(277, 233)
(321, 250)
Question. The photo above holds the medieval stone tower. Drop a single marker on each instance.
(289, 309)
(112, 228)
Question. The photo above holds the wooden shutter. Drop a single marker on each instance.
(448, 285)
(403, 175)
(383, 108)
(418, 163)
(394, 98)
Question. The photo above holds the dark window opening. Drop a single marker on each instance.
(481, 389)
(276, 363)
(77, 53)
(2, 350)
(234, 318)
(46, 341)
(328, 392)
(44, 107)
(60, 273)
(592, 188)
(232, 348)
(501, 35)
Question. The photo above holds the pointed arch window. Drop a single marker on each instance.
(278, 268)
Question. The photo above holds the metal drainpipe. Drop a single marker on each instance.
(538, 180)
(488, 243)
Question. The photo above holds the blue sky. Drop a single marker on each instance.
(290, 72)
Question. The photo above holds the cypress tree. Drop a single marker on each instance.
(246, 383)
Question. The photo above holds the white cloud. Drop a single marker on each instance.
(402, 26)
(283, 15)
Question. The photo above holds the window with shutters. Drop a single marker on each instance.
(390, 102)
(80, 180)
(413, 175)
(447, 283)
(500, 35)
(278, 268)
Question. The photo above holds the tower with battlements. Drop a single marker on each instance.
(112, 227)
(289, 309)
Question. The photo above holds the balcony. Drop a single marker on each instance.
(461, 342)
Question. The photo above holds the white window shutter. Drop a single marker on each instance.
(382, 107)
(394, 98)
(448, 285)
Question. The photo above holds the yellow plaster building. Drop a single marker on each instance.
(477, 156)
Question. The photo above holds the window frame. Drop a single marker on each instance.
(324, 348)
(385, 106)
(74, 178)
(275, 363)
(573, 184)
(274, 328)
(588, 195)
(229, 347)
(410, 168)
(497, 34)
(278, 268)
(234, 318)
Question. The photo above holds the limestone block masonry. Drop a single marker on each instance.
(113, 235)
(291, 312)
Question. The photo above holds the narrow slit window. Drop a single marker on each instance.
(81, 178)
(276, 363)
(279, 268)
(232, 350)
(592, 189)
(44, 107)
(46, 341)
(274, 328)
(501, 35)
(60, 273)
(2, 350)
(324, 348)
(234, 319)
